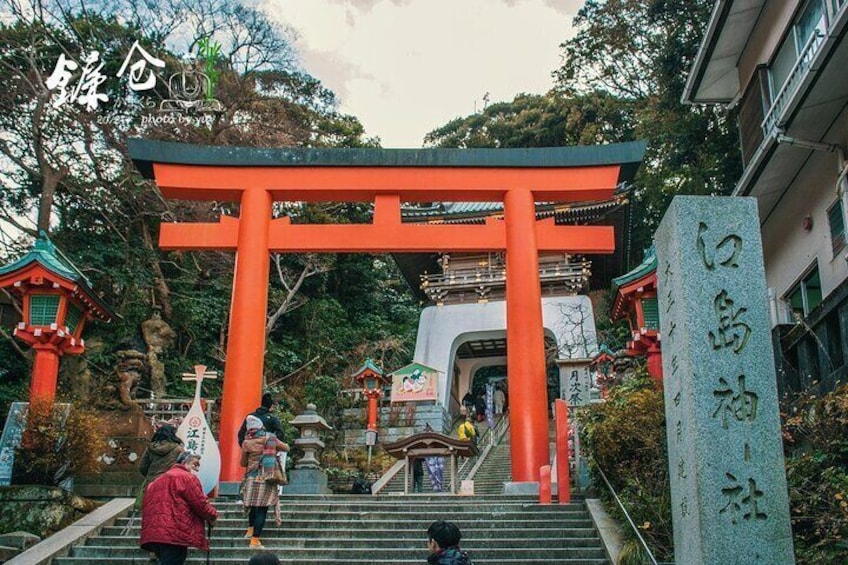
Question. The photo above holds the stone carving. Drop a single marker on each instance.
(158, 336)
(724, 440)
(130, 369)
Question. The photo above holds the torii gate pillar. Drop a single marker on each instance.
(525, 339)
(243, 371)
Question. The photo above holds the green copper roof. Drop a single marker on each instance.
(369, 364)
(48, 256)
(649, 263)
(45, 254)
(605, 349)
(146, 152)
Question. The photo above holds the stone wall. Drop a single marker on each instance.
(40, 510)
(396, 422)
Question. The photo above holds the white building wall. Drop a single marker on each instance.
(442, 329)
(789, 250)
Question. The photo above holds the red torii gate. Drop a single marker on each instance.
(517, 177)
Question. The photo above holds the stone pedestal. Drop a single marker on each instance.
(307, 481)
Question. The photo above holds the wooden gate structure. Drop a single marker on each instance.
(255, 178)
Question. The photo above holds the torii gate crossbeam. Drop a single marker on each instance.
(517, 177)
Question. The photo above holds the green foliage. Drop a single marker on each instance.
(640, 53)
(625, 438)
(73, 168)
(532, 120)
(816, 441)
(323, 392)
(58, 444)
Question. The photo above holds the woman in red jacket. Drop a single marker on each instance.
(175, 511)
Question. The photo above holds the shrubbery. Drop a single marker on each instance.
(816, 442)
(626, 439)
(58, 443)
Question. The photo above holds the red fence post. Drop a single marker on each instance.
(545, 484)
(563, 474)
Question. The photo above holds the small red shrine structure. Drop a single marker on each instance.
(57, 301)
(601, 365)
(636, 301)
(518, 178)
(370, 377)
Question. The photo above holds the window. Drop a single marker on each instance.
(806, 295)
(651, 312)
(72, 318)
(43, 309)
(836, 221)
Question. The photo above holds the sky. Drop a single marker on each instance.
(406, 67)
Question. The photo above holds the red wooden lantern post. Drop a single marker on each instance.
(601, 365)
(371, 379)
(57, 300)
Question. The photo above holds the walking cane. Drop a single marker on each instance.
(209, 536)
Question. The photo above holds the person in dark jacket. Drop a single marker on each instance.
(468, 403)
(175, 512)
(480, 408)
(270, 423)
(159, 456)
(443, 543)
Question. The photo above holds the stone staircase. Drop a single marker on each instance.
(354, 530)
(495, 470)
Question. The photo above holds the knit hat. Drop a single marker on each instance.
(254, 423)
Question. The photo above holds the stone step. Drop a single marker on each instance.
(409, 539)
(463, 518)
(383, 555)
(199, 558)
(420, 522)
(475, 532)
(470, 507)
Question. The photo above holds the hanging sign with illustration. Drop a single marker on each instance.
(415, 382)
(196, 434)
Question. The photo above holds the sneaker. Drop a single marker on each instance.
(249, 532)
(255, 543)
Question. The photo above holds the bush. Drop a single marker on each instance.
(59, 442)
(816, 441)
(626, 438)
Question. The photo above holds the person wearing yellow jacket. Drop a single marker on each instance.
(466, 430)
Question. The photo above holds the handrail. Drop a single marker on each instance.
(495, 438)
(492, 435)
(387, 476)
(626, 515)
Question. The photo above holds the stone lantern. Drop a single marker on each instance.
(307, 477)
(57, 300)
(310, 424)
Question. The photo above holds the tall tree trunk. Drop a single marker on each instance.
(162, 290)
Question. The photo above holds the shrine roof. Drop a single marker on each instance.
(45, 254)
(146, 152)
(430, 440)
(471, 211)
(648, 264)
(369, 365)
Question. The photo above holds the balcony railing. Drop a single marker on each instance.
(573, 275)
(793, 81)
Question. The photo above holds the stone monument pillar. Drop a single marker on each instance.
(728, 482)
(307, 477)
